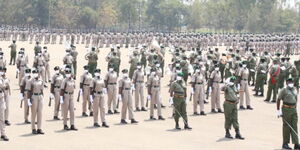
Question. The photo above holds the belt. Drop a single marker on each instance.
(155, 86)
(288, 106)
(179, 96)
(112, 83)
(86, 84)
(199, 83)
(41, 65)
(69, 93)
(37, 94)
(100, 92)
(22, 65)
(126, 88)
(140, 81)
(245, 79)
(179, 92)
(231, 102)
(56, 86)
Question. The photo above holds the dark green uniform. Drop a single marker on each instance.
(92, 61)
(272, 85)
(295, 75)
(261, 77)
(133, 64)
(230, 107)
(252, 66)
(13, 53)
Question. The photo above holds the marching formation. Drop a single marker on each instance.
(197, 66)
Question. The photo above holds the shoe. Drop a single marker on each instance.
(213, 111)
(91, 114)
(4, 138)
(297, 147)
(238, 135)
(143, 109)
(267, 100)
(110, 112)
(161, 118)
(73, 128)
(286, 146)
(152, 118)
(187, 127)
(177, 127)
(249, 107)
(39, 131)
(7, 123)
(163, 106)
(123, 121)
(96, 125)
(273, 101)
(116, 112)
(34, 131)
(84, 114)
(66, 127)
(242, 107)
(220, 110)
(196, 114)
(228, 135)
(105, 125)
(205, 102)
(252, 84)
(27, 122)
(137, 109)
(202, 113)
(45, 86)
(55, 118)
(133, 121)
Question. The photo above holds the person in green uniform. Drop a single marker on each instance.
(37, 48)
(178, 99)
(252, 66)
(295, 75)
(289, 114)
(185, 68)
(260, 78)
(74, 54)
(144, 57)
(230, 108)
(272, 84)
(13, 52)
(92, 58)
(133, 63)
(114, 61)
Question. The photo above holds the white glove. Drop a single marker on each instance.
(132, 88)
(29, 103)
(192, 91)
(51, 96)
(171, 101)
(91, 98)
(252, 70)
(61, 100)
(81, 91)
(209, 90)
(104, 90)
(149, 97)
(282, 68)
(21, 96)
(238, 87)
(120, 97)
(262, 71)
(279, 113)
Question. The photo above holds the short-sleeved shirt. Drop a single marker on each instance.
(288, 95)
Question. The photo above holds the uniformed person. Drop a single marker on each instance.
(92, 58)
(56, 81)
(289, 114)
(35, 101)
(13, 53)
(85, 81)
(46, 56)
(133, 63)
(138, 81)
(2, 109)
(40, 63)
(67, 99)
(244, 87)
(198, 82)
(74, 55)
(178, 99)
(24, 93)
(272, 85)
(22, 63)
(230, 108)
(214, 88)
(37, 48)
(7, 94)
(98, 89)
(260, 78)
(125, 95)
(112, 89)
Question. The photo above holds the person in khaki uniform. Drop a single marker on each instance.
(85, 81)
(244, 86)
(35, 100)
(7, 94)
(40, 63)
(154, 94)
(67, 88)
(21, 63)
(214, 88)
(288, 112)
(112, 89)
(198, 82)
(56, 81)
(98, 90)
(24, 93)
(2, 109)
(125, 95)
(46, 56)
(138, 80)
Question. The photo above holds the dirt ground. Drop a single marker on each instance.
(261, 127)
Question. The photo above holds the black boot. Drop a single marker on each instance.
(34, 131)
(152, 118)
(202, 113)
(84, 114)
(144, 109)
(116, 112)
(73, 128)
(267, 100)
(105, 125)
(96, 125)
(137, 109)
(238, 135)
(196, 114)
(297, 147)
(187, 127)
(91, 114)
(286, 146)
(161, 118)
(4, 138)
(273, 101)
(7, 122)
(123, 121)
(242, 107)
(228, 135)
(66, 127)
(249, 107)
(39, 131)
(27, 122)
(213, 111)
(133, 121)
(177, 126)
(110, 112)
(220, 110)
(55, 118)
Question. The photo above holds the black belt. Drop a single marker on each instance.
(179, 92)
(289, 104)
(37, 94)
(231, 102)
(112, 83)
(98, 92)
(127, 89)
(41, 65)
(199, 83)
(155, 86)
(86, 84)
(69, 93)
